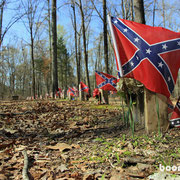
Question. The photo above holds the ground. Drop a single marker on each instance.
(79, 140)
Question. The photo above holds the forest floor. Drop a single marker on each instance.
(80, 141)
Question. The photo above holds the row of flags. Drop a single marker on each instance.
(148, 54)
(108, 82)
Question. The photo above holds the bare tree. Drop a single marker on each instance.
(105, 37)
(54, 49)
(16, 17)
(84, 46)
(75, 43)
(49, 77)
(34, 22)
(163, 14)
(154, 11)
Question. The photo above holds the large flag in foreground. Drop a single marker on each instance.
(106, 81)
(148, 54)
(84, 87)
(175, 117)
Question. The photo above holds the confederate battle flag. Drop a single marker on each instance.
(175, 117)
(106, 81)
(84, 87)
(71, 91)
(148, 54)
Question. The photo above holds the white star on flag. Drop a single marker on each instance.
(164, 46)
(148, 51)
(125, 30)
(136, 39)
(132, 64)
(160, 64)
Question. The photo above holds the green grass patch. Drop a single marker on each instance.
(105, 106)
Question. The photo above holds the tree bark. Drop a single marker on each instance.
(154, 120)
(105, 37)
(105, 93)
(79, 53)
(75, 37)
(49, 77)
(140, 18)
(139, 11)
(122, 7)
(164, 19)
(54, 49)
(132, 10)
(154, 11)
(85, 50)
(1, 19)
(33, 64)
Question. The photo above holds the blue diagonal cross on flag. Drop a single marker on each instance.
(84, 88)
(71, 91)
(148, 54)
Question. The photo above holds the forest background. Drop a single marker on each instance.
(24, 22)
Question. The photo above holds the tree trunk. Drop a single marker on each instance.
(33, 64)
(164, 19)
(105, 93)
(66, 73)
(154, 120)
(154, 11)
(79, 55)
(132, 10)
(1, 20)
(49, 77)
(140, 18)
(85, 50)
(139, 11)
(54, 49)
(75, 43)
(122, 7)
(105, 38)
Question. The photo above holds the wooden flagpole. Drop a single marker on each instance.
(155, 105)
(81, 94)
(115, 45)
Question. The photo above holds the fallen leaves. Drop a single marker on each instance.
(62, 147)
(72, 140)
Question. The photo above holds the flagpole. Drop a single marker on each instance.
(115, 45)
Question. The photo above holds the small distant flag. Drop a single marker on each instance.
(84, 87)
(175, 117)
(71, 91)
(106, 81)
